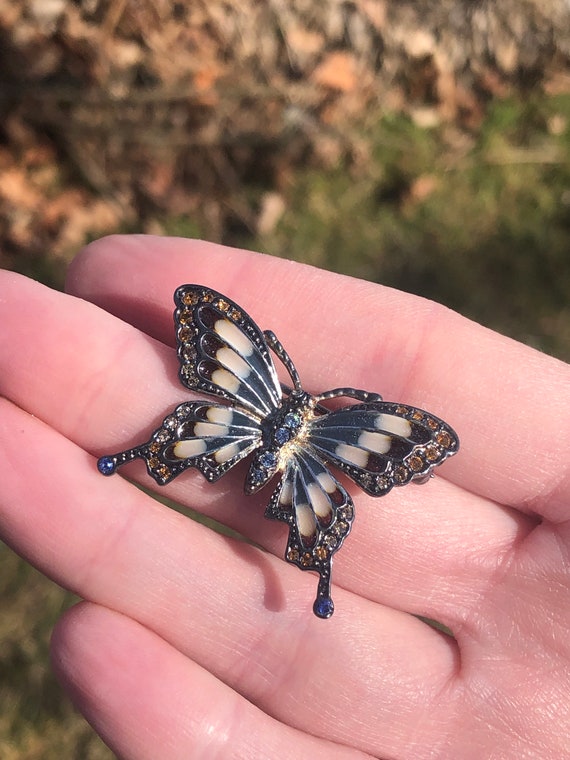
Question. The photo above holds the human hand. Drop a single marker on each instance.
(192, 644)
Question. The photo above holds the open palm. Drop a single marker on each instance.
(191, 644)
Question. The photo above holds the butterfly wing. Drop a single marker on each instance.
(222, 351)
(210, 437)
(381, 444)
(319, 513)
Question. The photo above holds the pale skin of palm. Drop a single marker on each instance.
(194, 645)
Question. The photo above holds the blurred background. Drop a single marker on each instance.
(423, 145)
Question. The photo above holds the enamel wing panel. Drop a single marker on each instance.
(290, 435)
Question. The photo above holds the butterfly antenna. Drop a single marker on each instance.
(274, 343)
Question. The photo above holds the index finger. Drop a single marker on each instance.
(508, 402)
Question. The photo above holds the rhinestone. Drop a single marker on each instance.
(307, 559)
(293, 555)
(331, 541)
(292, 420)
(444, 439)
(401, 410)
(235, 315)
(153, 462)
(170, 423)
(185, 334)
(162, 436)
(154, 447)
(323, 607)
(382, 482)
(431, 423)
(207, 298)
(321, 552)
(223, 305)
(401, 474)
(268, 460)
(257, 475)
(417, 415)
(163, 471)
(341, 528)
(106, 465)
(189, 299)
(282, 435)
(432, 453)
(185, 317)
(346, 513)
(416, 463)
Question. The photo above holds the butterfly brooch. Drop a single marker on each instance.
(291, 433)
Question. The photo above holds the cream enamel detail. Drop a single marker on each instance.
(226, 380)
(377, 442)
(389, 423)
(352, 454)
(319, 499)
(228, 358)
(223, 415)
(306, 521)
(190, 448)
(234, 337)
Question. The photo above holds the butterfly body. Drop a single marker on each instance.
(282, 432)
(290, 434)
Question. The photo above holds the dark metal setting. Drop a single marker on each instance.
(290, 433)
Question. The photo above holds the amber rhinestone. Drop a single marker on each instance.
(416, 463)
(321, 552)
(444, 439)
(293, 555)
(189, 353)
(400, 474)
(153, 462)
(432, 453)
(235, 315)
(162, 436)
(341, 528)
(345, 513)
(307, 559)
(154, 447)
(223, 305)
(184, 334)
(207, 298)
(189, 374)
(331, 541)
(189, 299)
(163, 471)
(431, 423)
(401, 410)
(185, 317)
(417, 416)
(382, 482)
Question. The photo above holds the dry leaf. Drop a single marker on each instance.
(337, 71)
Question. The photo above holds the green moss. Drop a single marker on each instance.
(37, 721)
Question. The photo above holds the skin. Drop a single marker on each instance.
(194, 645)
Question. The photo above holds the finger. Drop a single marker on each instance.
(241, 614)
(147, 700)
(506, 401)
(436, 536)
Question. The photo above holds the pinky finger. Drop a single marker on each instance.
(147, 700)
